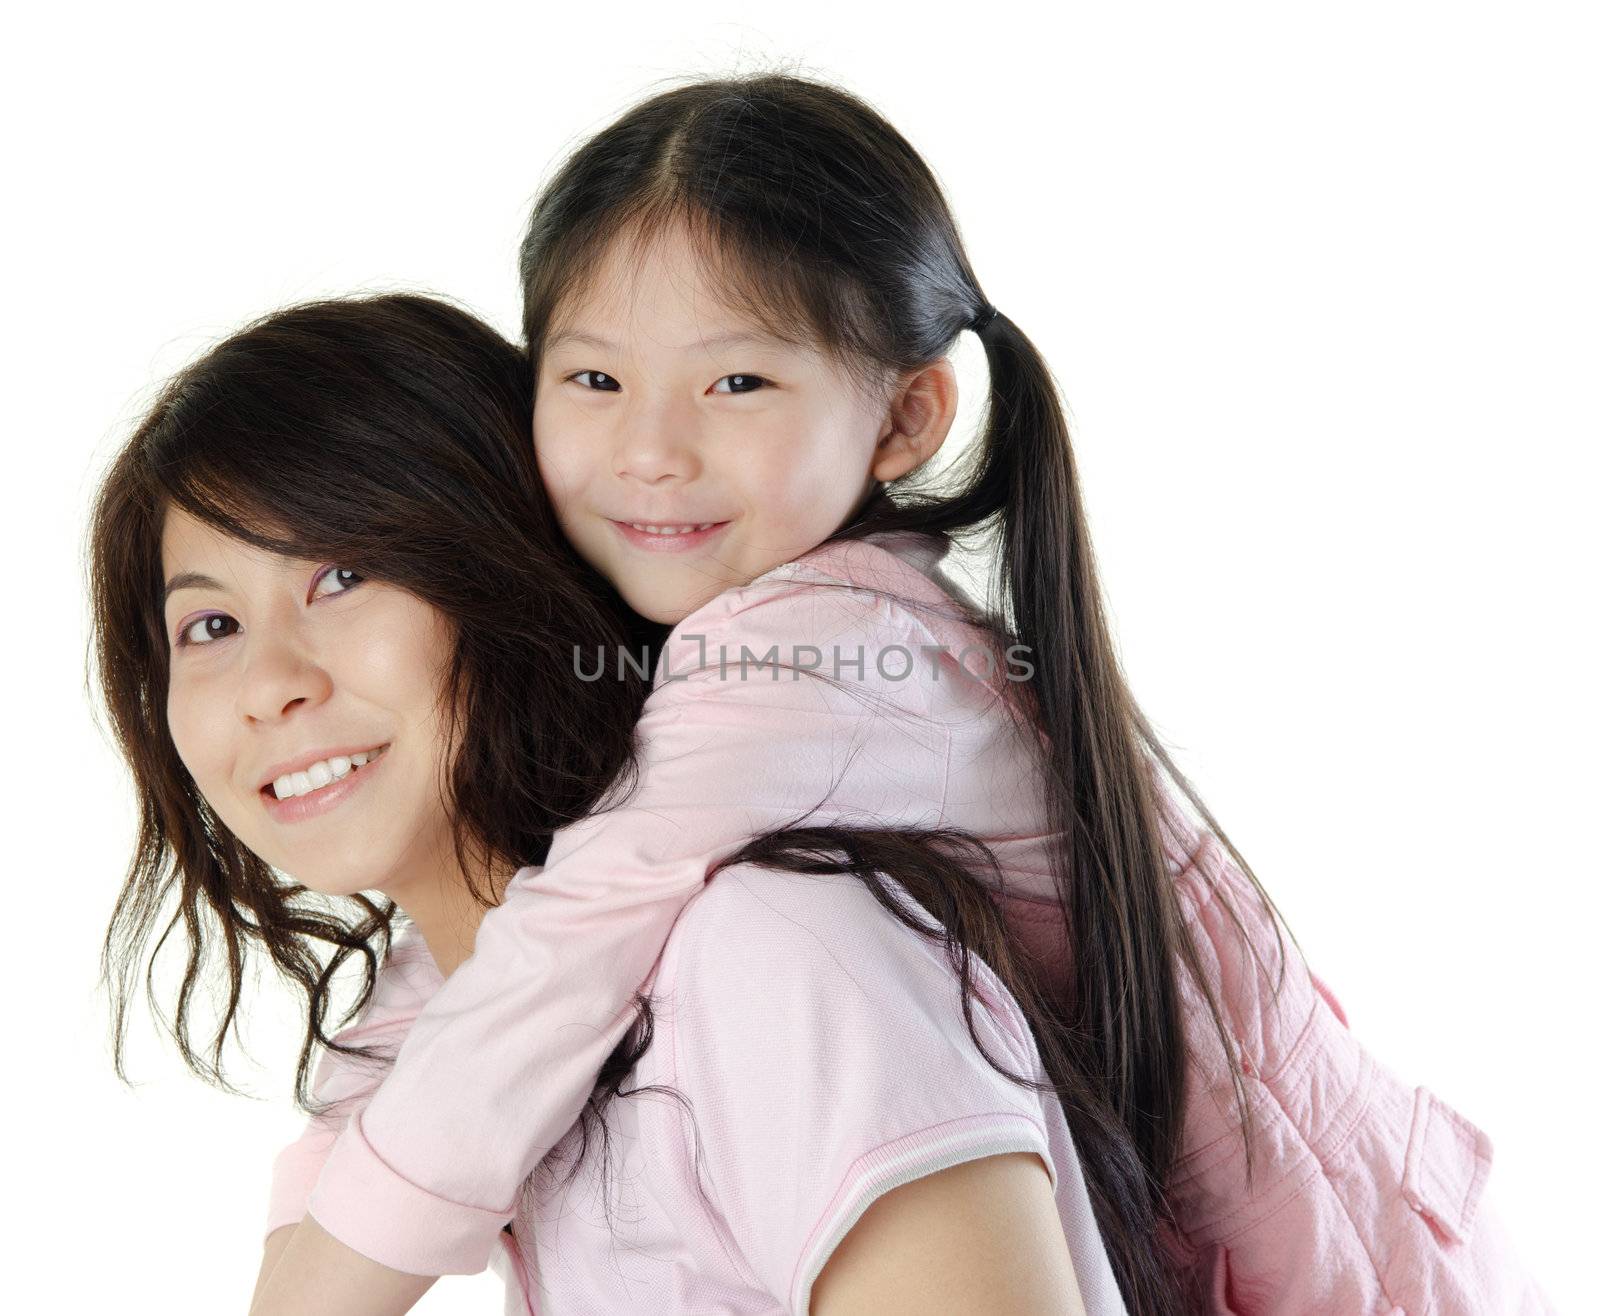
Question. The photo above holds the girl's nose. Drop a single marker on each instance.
(278, 677)
(657, 443)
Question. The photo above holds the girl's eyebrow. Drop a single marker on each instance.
(189, 580)
(733, 339)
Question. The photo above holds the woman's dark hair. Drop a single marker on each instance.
(821, 222)
(391, 435)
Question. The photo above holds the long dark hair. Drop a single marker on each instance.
(815, 215)
(389, 434)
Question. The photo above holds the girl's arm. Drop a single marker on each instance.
(499, 1064)
(277, 1240)
(980, 1239)
(317, 1273)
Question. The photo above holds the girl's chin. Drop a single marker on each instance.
(669, 606)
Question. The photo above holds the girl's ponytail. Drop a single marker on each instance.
(1122, 1038)
(1120, 1041)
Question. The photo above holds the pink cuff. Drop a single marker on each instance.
(363, 1203)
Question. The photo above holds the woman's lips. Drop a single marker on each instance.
(298, 808)
(683, 542)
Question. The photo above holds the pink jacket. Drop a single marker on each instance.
(1367, 1193)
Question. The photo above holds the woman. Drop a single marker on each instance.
(336, 628)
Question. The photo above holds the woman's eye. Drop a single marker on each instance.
(343, 577)
(203, 630)
(741, 384)
(610, 385)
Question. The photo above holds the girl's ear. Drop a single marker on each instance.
(921, 410)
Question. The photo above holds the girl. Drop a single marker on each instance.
(410, 726)
(779, 237)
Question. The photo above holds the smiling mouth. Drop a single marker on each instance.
(651, 528)
(325, 772)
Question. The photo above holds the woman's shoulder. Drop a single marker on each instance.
(824, 1055)
(407, 978)
(772, 965)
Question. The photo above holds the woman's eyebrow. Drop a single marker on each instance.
(189, 580)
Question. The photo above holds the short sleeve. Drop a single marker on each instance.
(823, 1048)
(405, 982)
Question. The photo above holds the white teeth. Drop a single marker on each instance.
(322, 773)
(671, 529)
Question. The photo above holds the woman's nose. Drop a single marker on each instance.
(279, 676)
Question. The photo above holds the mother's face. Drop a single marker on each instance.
(304, 702)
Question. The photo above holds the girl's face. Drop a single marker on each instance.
(658, 405)
(284, 674)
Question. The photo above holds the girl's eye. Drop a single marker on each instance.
(203, 630)
(597, 387)
(343, 577)
(741, 384)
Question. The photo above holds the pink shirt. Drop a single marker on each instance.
(821, 1050)
(1368, 1193)
(496, 1068)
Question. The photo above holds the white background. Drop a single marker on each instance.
(1319, 283)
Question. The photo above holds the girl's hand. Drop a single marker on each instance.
(317, 1275)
